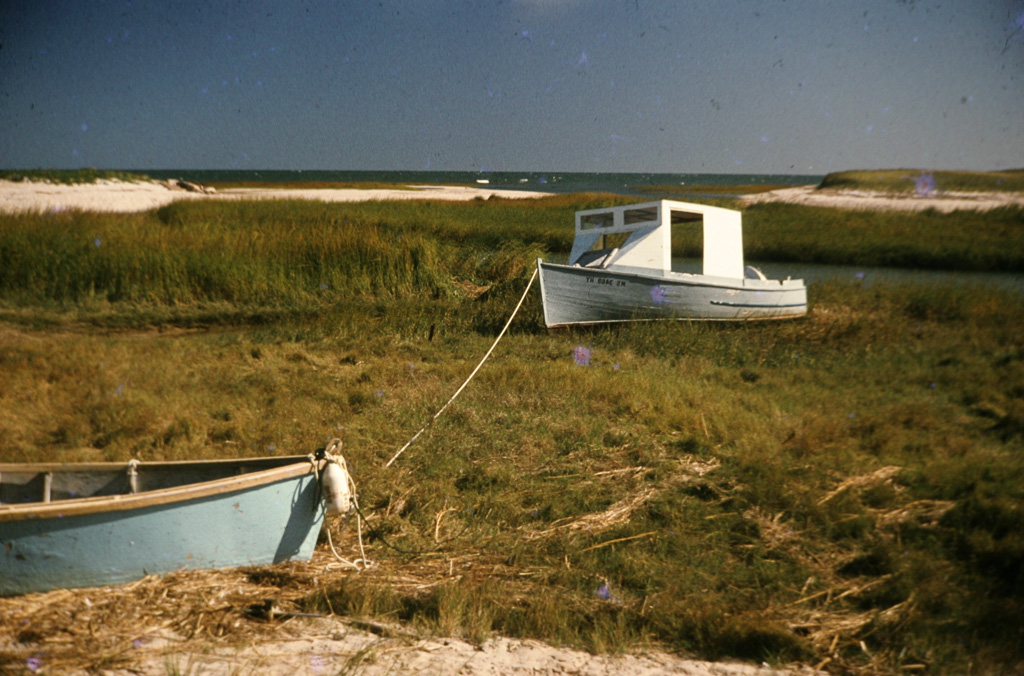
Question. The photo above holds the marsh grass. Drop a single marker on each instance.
(961, 240)
(295, 257)
(773, 492)
(279, 254)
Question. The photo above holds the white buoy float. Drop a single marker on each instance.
(339, 495)
(336, 482)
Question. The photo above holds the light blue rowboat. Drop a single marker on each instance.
(620, 270)
(89, 524)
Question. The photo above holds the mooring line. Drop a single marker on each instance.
(496, 340)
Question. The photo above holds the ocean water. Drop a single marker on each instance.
(555, 182)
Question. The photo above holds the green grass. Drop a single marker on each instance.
(903, 180)
(771, 492)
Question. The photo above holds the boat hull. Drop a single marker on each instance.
(579, 295)
(268, 522)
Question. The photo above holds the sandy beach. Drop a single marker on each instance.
(331, 646)
(944, 202)
(121, 196)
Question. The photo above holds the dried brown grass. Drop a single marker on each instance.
(100, 627)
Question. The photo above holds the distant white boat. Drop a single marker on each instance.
(620, 269)
(482, 181)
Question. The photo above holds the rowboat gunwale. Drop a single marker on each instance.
(23, 511)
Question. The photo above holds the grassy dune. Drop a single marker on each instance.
(70, 177)
(904, 180)
(843, 490)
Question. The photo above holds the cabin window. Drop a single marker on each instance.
(686, 217)
(614, 240)
(633, 216)
(604, 219)
(603, 251)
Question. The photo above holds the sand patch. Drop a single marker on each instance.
(123, 196)
(944, 202)
(331, 646)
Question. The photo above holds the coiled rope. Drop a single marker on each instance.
(458, 391)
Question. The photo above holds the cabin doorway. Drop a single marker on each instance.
(687, 241)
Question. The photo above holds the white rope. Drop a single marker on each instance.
(366, 563)
(457, 392)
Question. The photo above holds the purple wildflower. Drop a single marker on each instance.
(33, 663)
(581, 355)
(925, 184)
(604, 593)
(658, 294)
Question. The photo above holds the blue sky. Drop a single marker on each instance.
(730, 86)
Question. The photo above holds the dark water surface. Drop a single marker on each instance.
(865, 275)
(555, 182)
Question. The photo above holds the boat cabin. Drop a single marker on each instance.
(639, 236)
